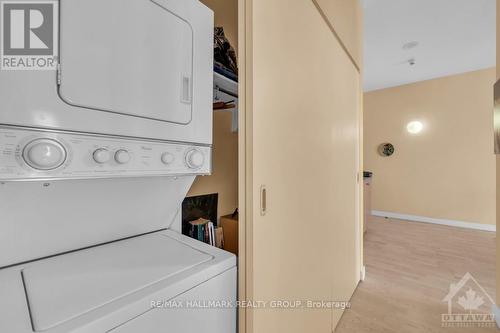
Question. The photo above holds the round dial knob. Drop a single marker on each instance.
(195, 159)
(122, 156)
(101, 155)
(44, 154)
(167, 158)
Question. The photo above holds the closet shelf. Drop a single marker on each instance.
(225, 85)
(226, 90)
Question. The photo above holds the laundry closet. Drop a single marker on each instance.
(215, 197)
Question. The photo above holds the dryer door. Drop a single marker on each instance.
(132, 57)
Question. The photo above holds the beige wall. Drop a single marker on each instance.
(448, 170)
(224, 178)
(226, 15)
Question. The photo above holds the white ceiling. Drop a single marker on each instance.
(454, 36)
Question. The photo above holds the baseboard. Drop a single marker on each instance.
(496, 312)
(423, 219)
(363, 273)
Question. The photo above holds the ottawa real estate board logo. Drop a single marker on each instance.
(469, 305)
(28, 35)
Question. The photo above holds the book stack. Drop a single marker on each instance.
(202, 230)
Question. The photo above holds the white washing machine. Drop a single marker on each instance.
(96, 157)
(159, 282)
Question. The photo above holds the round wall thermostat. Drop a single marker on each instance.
(386, 149)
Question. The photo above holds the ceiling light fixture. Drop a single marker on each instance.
(414, 127)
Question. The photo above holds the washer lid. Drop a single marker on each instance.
(137, 60)
(67, 286)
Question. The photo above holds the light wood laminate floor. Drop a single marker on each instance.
(409, 270)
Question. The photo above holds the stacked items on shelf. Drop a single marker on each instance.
(225, 59)
(202, 230)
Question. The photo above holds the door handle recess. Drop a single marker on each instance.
(263, 200)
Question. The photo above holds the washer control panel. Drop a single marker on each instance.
(32, 154)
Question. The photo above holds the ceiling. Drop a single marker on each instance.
(453, 36)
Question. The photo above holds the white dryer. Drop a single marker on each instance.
(139, 68)
(96, 157)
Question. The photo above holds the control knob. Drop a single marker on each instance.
(167, 158)
(122, 156)
(44, 154)
(101, 155)
(195, 159)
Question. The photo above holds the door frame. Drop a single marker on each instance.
(245, 132)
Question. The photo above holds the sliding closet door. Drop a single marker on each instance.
(346, 17)
(301, 138)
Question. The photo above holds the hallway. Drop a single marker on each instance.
(410, 267)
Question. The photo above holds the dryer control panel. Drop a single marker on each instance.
(27, 154)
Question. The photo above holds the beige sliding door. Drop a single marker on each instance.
(299, 142)
(346, 17)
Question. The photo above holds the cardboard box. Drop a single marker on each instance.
(229, 226)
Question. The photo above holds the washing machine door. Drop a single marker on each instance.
(132, 57)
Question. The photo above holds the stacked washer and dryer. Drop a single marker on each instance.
(95, 160)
